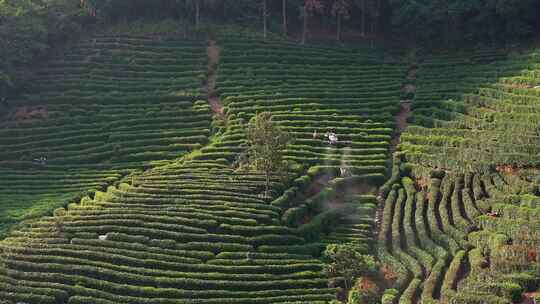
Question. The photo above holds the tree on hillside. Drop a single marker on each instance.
(375, 23)
(363, 9)
(266, 143)
(284, 16)
(310, 7)
(28, 28)
(194, 7)
(341, 10)
(265, 17)
(197, 13)
(346, 262)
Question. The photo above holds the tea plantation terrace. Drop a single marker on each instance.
(194, 230)
(462, 230)
(433, 238)
(108, 106)
(479, 108)
(310, 91)
(182, 233)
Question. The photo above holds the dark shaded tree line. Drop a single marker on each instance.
(30, 27)
(280, 15)
(492, 21)
(450, 20)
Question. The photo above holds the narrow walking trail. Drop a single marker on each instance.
(401, 124)
(408, 91)
(214, 52)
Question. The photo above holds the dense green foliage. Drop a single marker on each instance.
(344, 261)
(489, 21)
(28, 28)
(433, 238)
(266, 143)
(473, 112)
(474, 20)
(453, 20)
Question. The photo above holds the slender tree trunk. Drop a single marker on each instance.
(372, 27)
(364, 14)
(197, 13)
(378, 17)
(265, 13)
(284, 7)
(304, 32)
(373, 21)
(338, 34)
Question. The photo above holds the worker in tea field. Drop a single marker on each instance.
(248, 256)
(42, 160)
(332, 137)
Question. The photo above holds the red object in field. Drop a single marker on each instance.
(532, 256)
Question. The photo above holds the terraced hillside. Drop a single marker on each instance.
(160, 211)
(189, 233)
(474, 111)
(195, 229)
(460, 222)
(89, 117)
(311, 91)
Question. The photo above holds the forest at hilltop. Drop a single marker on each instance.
(29, 28)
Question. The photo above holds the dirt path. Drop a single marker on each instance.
(408, 89)
(401, 124)
(214, 53)
(528, 297)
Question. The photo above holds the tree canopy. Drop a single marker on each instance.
(488, 20)
(30, 27)
(346, 262)
(266, 142)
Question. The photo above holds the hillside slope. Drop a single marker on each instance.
(87, 118)
(193, 230)
(460, 222)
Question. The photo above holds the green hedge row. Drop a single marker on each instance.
(321, 223)
(448, 288)
(445, 209)
(428, 242)
(409, 229)
(90, 288)
(411, 292)
(161, 286)
(149, 250)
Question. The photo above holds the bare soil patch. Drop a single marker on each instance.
(29, 113)
(215, 105)
(528, 297)
(214, 53)
(401, 124)
(508, 169)
(409, 88)
(422, 183)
